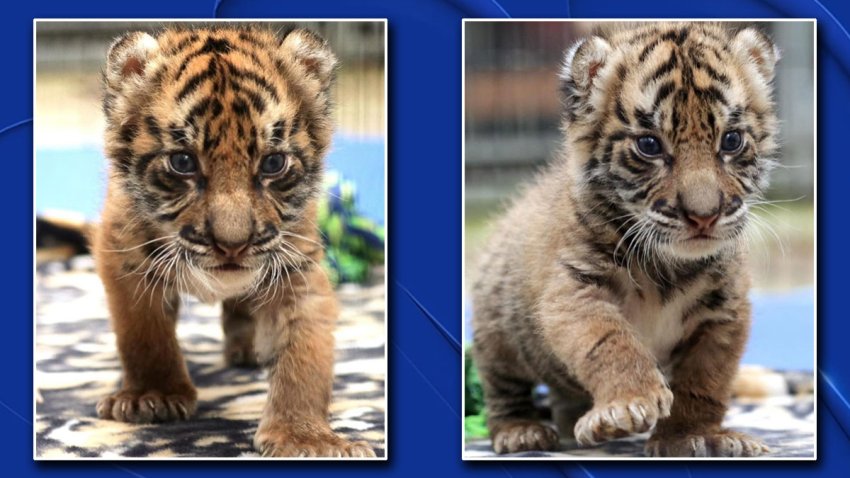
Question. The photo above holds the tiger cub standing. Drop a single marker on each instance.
(619, 278)
(216, 139)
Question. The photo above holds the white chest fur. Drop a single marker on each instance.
(657, 322)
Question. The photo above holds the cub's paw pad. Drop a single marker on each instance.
(525, 436)
(621, 418)
(279, 445)
(146, 407)
(725, 443)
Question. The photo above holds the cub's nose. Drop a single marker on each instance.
(229, 250)
(702, 223)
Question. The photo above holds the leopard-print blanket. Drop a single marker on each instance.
(77, 363)
(785, 423)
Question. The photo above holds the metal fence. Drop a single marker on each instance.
(513, 108)
(70, 44)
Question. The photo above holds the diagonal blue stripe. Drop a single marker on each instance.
(833, 392)
(840, 26)
(835, 417)
(436, 323)
(129, 471)
(15, 125)
(505, 12)
(425, 379)
(585, 470)
(834, 389)
(13, 412)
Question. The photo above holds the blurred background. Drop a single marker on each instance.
(511, 126)
(69, 123)
(70, 169)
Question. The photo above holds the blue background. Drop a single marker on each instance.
(425, 232)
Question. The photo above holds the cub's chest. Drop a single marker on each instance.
(659, 320)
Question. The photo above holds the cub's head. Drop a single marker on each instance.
(671, 132)
(217, 136)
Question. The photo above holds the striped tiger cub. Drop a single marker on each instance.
(619, 277)
(216, 139)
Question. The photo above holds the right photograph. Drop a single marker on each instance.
(639, 275)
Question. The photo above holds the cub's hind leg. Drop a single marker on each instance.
(238, 324)
(567, 407)
(512, 419)
(156, 385)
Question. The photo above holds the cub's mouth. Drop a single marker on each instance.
(228, 267)
(703, 237)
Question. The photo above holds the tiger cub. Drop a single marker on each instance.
(216, 139)
(619, 278)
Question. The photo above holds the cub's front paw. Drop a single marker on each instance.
(721, 443)
(524, 435)
(276, 442)
(147, 407)
(623, 417)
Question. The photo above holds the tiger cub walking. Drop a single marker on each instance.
(626, 289)
(216, 139)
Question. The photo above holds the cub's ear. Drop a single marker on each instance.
(753, 47)
(310, 53)
(128, 59)
(580, 74)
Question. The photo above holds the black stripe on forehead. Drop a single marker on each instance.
(244, 93)
(211, 46)
(662, 93)
(194, 82)
(277, 132)
(711, 94)
(662, 69)
(153, 127)
(715, 75)
(197, 111)
(236, 73)
(249, 37)
(183, 44)
(646, 119)
(215, 45)
(676, 36)
(178, 134)
(735, 115)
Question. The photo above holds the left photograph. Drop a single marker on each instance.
(210, 239)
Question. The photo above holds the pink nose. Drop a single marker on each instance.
(702, 223)
(229, 250)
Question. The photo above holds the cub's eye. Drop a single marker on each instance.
(649, 146)
(183, 163)
(731, 142)
(273, 164)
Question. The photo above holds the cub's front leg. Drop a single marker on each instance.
(156, 386)
(585, 329)
(296, 340)
(702, 377)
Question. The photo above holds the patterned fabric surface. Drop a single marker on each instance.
(786, 424)
(77, 364)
